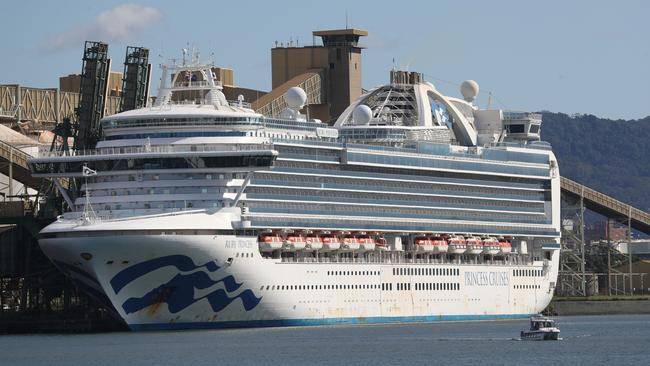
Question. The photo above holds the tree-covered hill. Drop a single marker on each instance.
(609, 156)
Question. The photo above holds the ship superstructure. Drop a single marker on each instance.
(199, 212)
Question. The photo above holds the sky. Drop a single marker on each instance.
(588, 57)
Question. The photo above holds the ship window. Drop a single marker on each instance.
(516, 129)
(534, 128)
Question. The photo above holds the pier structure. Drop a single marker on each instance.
(574, 279)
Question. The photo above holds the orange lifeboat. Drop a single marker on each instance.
(330, 241)
(474, 245)
(294, 242)
(269, 242)
(381, 243)
(349, 242)
(312, 241)
(439, 244)
(366, 242)
(504, 246)
(456, 244)
(423, 244)
(491, 246)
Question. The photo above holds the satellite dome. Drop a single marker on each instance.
(469, 90)
(295, 97)
(362, 114)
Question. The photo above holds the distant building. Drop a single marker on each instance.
(72, 83)
(639, 247)
(607, 228)
(338, 61)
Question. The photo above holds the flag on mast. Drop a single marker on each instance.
(87, 172)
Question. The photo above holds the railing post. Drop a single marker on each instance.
(629, 245)
(11, 172)
(582, 239)
(19, 103)
(609, 263)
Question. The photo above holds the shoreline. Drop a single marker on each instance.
(599, 305)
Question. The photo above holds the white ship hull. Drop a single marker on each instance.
(172, 280)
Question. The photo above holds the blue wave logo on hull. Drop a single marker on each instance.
(178, 292)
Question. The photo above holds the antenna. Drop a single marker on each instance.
(89, 215)
(489, 103)
(185, 52)
(346, 20)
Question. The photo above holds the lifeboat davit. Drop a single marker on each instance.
(456, 244)
(439, 244)
(474, 245)
(329, 241)
(366, 242)
(491, 246)
(269, 242)
(423, 244)
(349, 243)
(294, 242)
(504, 246)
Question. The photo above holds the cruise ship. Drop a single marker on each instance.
(198, 212)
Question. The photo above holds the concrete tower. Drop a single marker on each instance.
(338, 61)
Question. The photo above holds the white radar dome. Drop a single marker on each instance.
(469, 90)
(295, 98)
(362, 114)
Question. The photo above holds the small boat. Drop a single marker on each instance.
(440, 245)
(269, 242)
(349, 242)
(474, 245)
(381, 243)
(457, 245)
(313, 242)
(504, 246)
(330, 242)
(366, 242)
(294, 242)
(491, 246)
(423, 244)
(541, 329)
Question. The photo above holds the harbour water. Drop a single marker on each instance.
(587, 340)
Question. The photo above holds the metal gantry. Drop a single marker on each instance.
(94, 89)
(573, 278)
(135, 83)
